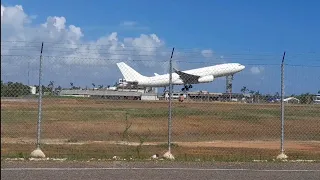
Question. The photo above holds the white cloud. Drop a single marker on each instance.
(2, 10)
(207, 53)
(132, 26)
(55, 23)
(256, 70)
(14, 16)
(65, 51)
(68, 57)
(128, 23)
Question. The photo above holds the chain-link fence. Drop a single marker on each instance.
(101, 107)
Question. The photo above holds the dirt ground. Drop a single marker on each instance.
(195, 124)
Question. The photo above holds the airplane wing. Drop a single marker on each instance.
(187, 78)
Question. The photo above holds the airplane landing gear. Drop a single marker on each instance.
(164, 89)
(186, 87)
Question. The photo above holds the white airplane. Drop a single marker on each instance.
(186, 78)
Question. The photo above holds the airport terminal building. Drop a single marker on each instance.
(124, 92)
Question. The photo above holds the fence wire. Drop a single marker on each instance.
(103, 106)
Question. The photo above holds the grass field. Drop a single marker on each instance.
(95, 128)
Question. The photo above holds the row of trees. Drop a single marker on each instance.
(305, 98)
(244, 90)
(93, 86)
(16, 89)
(73, 87)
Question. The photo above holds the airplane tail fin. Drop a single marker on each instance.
(128, 73)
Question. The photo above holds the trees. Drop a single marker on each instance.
(244, 89)
(16, 89)
(257, 93)
(72, 86)
(251, 92)
(100, 86)
(44, 89)
(305, 98)
(51, 86)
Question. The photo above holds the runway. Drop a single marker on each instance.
(157, 170)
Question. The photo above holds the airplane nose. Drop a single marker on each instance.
(241, 67)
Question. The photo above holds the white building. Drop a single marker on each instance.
(123, 85)
(175, 95)
(122, 82)
(316, 99)
(33, 89)
(149, 97)
(291, 100)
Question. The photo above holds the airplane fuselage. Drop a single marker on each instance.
(209, 73)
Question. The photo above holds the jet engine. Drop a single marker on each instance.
(206, 79)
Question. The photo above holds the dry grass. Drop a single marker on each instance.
(85, 120)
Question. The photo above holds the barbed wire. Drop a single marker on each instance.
(158, 61)
(189, 54)
(95, 46)
(64, 52)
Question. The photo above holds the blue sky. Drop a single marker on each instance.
(263, 28)
(271, 26)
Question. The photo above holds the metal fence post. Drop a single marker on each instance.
(282, 155)
(38, 152)
(168, 154)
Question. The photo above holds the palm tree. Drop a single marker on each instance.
(51, 86)
(244, 89)
(100, 86)
(257, 94)
(71, 84)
